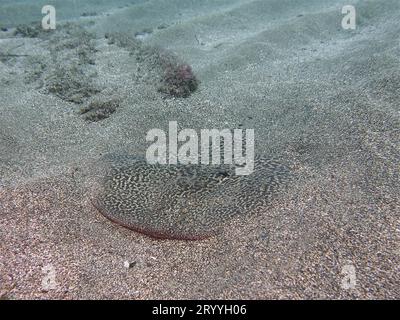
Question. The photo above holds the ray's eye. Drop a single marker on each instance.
(222, 174)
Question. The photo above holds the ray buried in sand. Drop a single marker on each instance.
(209, 142)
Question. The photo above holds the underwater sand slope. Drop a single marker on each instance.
(323, 99)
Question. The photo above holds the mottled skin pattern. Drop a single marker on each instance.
(187, 202)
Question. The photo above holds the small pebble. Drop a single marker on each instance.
(4, 29)
(128, 264)
(162, 26)
(89, 14)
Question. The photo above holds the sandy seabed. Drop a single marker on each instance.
(322, 99)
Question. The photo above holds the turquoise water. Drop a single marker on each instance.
(17, 12)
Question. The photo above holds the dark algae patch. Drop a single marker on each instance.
(68, 71)
(179, 80)
(99, 110)
(71, 84)
(172, 76)
(71, 78)
(28, 31)
(185, 202)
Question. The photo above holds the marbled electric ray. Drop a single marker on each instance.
(185, 202)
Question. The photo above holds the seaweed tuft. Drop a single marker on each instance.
(179, 81)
